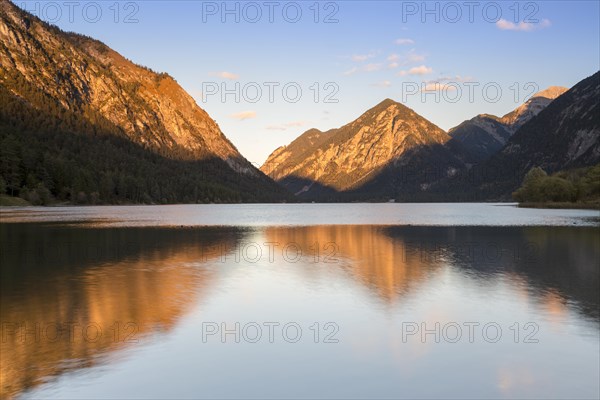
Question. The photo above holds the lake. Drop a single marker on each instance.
(300, 301)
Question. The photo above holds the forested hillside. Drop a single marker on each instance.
(80, 123)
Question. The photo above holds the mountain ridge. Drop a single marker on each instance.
(123, 95)
(430, 164)
(63, 93)
(563, 135)
(345, 158)
(485, 134)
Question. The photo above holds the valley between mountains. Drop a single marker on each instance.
(392, 153)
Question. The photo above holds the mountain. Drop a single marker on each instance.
(59, 88)
(388, 150)
(532, 107)
(563, 135)
(484, 135)
(286, 157)
(479, 138)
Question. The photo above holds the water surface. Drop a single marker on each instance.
(449, 214)
(416, 301)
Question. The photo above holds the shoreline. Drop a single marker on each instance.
(8, 201)
(561, 205)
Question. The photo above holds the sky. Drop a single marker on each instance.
(267, 71)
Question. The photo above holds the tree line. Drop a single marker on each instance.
(580, 185)
(49, 154)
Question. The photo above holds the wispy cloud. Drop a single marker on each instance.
(363, 57)
(227, 75)
(522, 26)
(392, 61)
(372, 67)
(438, 87)
(445, 83)
(420, 70)
(382, 84)
(455, 78)
(283, 127)
(411, 57)
(351, 71)
(241, 116)
(404, 41)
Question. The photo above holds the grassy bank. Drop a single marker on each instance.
(9, 201)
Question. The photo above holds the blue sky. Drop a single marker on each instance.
(449, 61)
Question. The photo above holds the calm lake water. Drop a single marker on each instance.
(300, 301)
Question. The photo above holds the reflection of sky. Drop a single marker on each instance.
(357, 54)
(371, 359)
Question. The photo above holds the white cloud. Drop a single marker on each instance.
(372, 67)
(456, 79)
(414, 57)
(283, 127)
(439, 87)
(404, 41)
(227, 75)
(365, 68)
(409, 58)
(382, 84)
(445, 83)
(296, 123)
(522, 26)
(241, 116)
(351, 71)
(363, 57)
(360, 57)
(420, 70)
(393, 59)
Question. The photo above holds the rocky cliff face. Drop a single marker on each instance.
(84, 76)
(484, 135)
(532, 107)
(80, 123)
(390, 152)
(351, 157)
(286, 158)
(565, 134)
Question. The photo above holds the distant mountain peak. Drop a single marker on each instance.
(379, 108)
(551, 93)
(490, 116)
(485, 134)
(536, 103)
(564, 134)
(348, 157)
(386, 103)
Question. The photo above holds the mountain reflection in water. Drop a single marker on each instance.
(140, 282)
